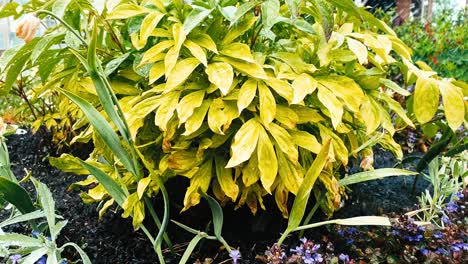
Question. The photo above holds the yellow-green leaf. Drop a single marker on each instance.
(221, 74)
(291, 176)
(371, 115)
(426, 99)
(205, 41)
(281, 87)
(303, 86)
(284, 141)
(152, 54)
(200, 181)
(156, 72)
(142, 185)
(305, 140)
(238, 51)
(188, 104)
(127, 10)
(245, 142)
(250, 69)
(196, 51)
(454, 105)
(167, 109)
(216, 116)
(148, 25)
(267, 161)
(246, 94)
(250, 173)
(195, 121)
(225, 179)
(267, 104)
(358, 49)
(334, 106)
(181, 72)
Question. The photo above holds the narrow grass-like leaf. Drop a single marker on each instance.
(35, 256)
(374, 175)
(303, 195)
(111, 186)
(22, 218)
(188, 252)
(103, 91)
(80, 251)
(16, 195)
(217, 213)
(48, 205)
(165, 222)
(14, 239)
(354, 221)
(103, 128)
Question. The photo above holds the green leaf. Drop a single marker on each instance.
(191, 246)
(44, 44)
(147, 26)
(267, 161)
(426, 99)
(181, 72)
(221, 74)
(16, 195)
(267, 104)
(103, 128)
(374, 175)
(454, 106)
(22, 218)
(112, 187)
(34, 256)
(165, 222)
(217, 213)
(246, 94)
(245, 142)
(195, 17)
(80, 251)
(300, 202)
(13, 239)
(48, 206)
(59, 6)
(242, 10)
(354, 221)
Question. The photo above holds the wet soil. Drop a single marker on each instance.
(113, 240)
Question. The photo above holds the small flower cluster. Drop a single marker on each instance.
(407, 229)
(307, 252)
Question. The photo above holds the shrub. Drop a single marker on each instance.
(242, 98)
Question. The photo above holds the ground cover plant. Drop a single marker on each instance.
(243, 99)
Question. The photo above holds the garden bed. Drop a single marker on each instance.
(112, 239)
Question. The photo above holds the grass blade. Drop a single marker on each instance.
(165, 222)
(374, 175)
(188, 252)
(80, 251)
(48, 205)
(104, 129)
(354, 221)
(111, 186)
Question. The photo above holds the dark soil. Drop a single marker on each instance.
(112, 239)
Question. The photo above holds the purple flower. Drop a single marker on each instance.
(235, 255)
(421, 228)
(446, 220)
(35, 233)
(460, 195)
(438, 235)
(344, 258)
(352, 230)
(457, 247)
(341, 232)
(395, 232)
(425, 251)
(15, 259)
(315, 248)
(303, 240)
(349, 241)
(411, 138)
(42, 260)
(451, 207)
(440, 251)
